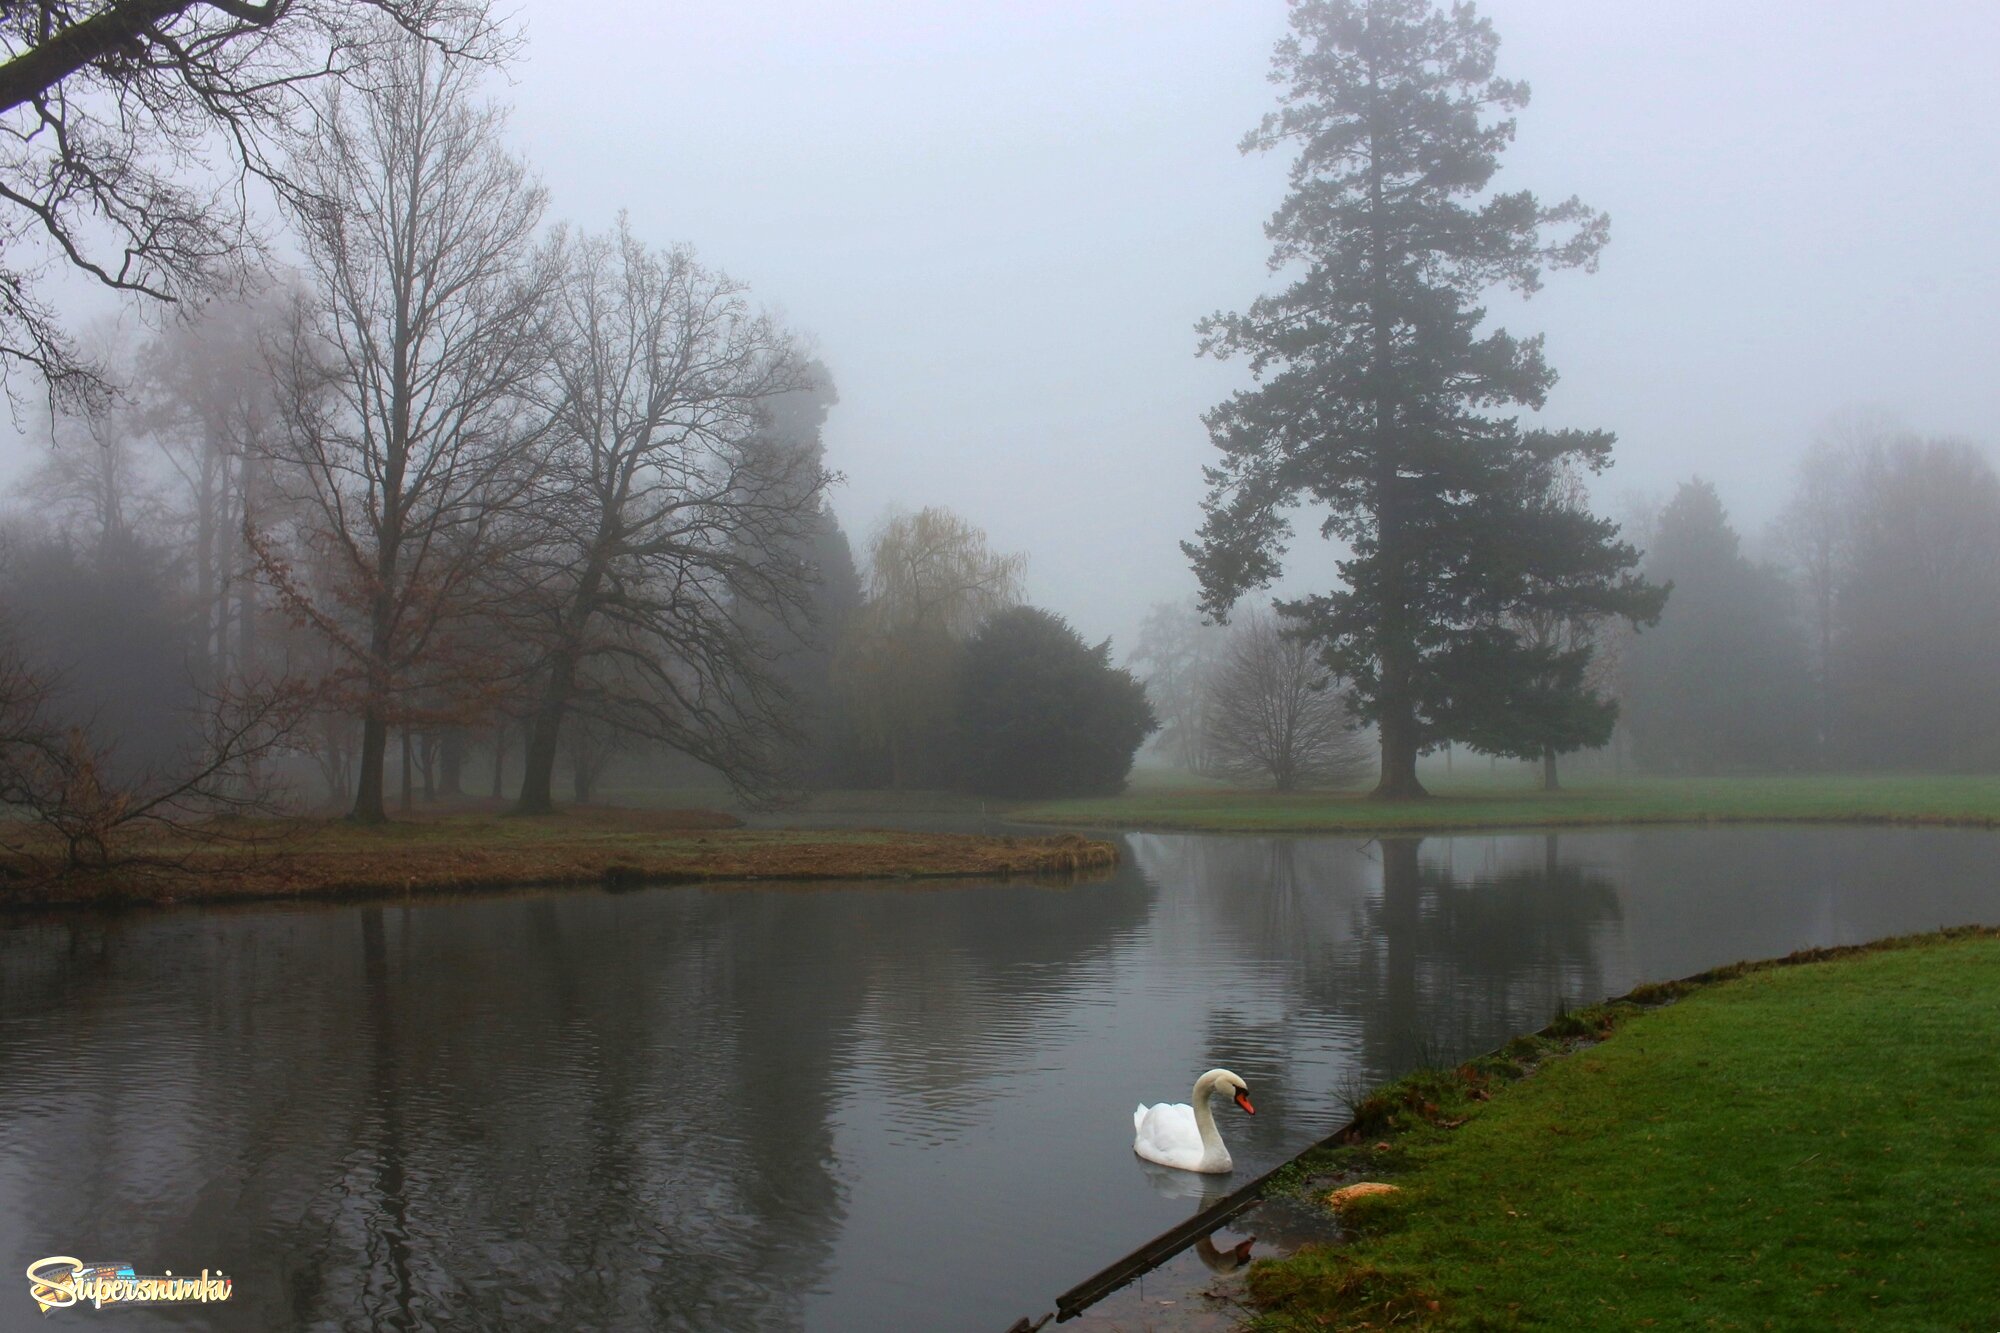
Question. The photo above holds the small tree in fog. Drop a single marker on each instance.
(1273, 715)
(932, 580)
(402, 449)
(664, 517)
(1176, 655)
(1721, 682)
(1538, 682)
(1529, 697)
(1815, 531)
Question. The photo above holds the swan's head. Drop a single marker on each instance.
(1221, 1080)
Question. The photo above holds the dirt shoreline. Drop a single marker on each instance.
(326, 860)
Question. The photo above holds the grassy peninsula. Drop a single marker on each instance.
(1811, 1146)
(324, 858)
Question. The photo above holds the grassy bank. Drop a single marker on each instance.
(1815, 1146)
(1469, 803)
(332, 858)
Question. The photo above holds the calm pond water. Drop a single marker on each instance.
(894, 1107)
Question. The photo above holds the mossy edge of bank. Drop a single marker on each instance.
(1406, 1133)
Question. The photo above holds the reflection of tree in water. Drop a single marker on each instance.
(1428, 962)
(588, 1111)
(1451, 966)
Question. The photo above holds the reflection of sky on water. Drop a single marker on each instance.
(897, 1107)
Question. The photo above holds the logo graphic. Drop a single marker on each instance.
(61, 1281)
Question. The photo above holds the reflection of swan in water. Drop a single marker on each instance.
(1184, 1137)
(1220, 1260)
(1169, 1184)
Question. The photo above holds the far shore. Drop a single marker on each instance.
(1479, 804)
(465, 852)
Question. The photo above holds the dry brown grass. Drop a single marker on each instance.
(322, 858)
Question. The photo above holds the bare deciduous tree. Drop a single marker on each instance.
(110, 111)
(1273, 716)
(94, 478)
(662, 517)
(1177, 653)
(207, 398)
(1815, 531)
(403, 443)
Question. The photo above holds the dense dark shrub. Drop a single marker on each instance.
(1042, 713)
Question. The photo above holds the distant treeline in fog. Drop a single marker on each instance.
(1859, 630)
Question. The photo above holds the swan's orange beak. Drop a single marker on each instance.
(1243, 1100)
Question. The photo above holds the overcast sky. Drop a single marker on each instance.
(999, 222)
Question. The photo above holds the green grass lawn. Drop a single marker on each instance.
(1478, 802)
(1801, 1147)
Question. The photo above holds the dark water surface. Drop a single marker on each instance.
(899, 1107)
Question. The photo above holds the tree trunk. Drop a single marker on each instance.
(246, 587)
(368, 808)
(1396, 644)
(538, 778)
(451, 763)
(1549, 782)
(405, 804)
(538, 781)
(427, 760)
(1398, 726)
(499, 759)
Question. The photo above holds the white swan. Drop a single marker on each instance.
(1184, 1137)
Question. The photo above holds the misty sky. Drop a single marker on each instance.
(999, 222)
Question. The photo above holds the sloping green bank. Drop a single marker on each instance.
(1967, 801)
(1797, 1147)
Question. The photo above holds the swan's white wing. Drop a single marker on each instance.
(1167, 1134)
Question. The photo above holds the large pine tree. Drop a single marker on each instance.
(1378, 390)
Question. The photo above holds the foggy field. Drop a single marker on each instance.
(334, 858)
(1711, 1163)
(1481, 802)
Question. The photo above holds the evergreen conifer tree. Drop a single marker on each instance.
(1380, 393)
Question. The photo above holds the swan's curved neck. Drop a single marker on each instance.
(1204, 1119)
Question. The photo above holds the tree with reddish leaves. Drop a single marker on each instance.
(405, 446)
